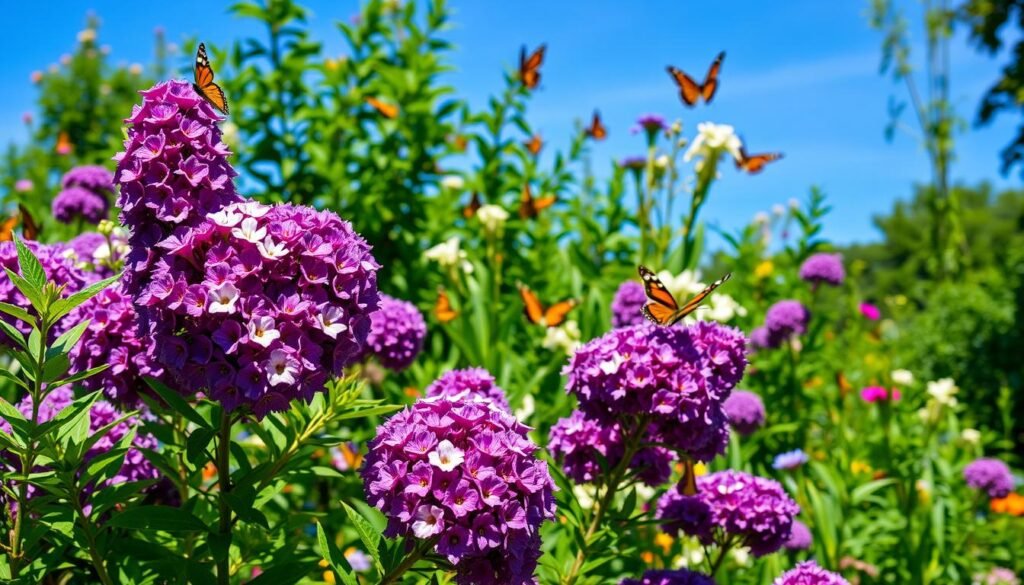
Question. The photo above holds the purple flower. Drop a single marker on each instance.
(76, 203)
(464, 472)
(470, 383)
(878, 394)
(790, 460)
(732, 504)
(809, 573)
(397, 331)
(58, 266)
(650, 124)
(627, 304)
(581, 443)
(761, 339)
(991, 475)
(91, 177)
(823, 268)
(358, 560)
(799, 537)
(633, 163)
(666, 577)
(745, 411)
(23, 185)
(785, 319)
(870, 312)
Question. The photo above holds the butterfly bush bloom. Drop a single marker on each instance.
(745, 411)
(582, 444)
(800, 537)
(463, 473)
(469, 383)
(255, 305)
(790, 460)
(397, 331)
(732, 504)
(823, 269)
(76, 203)
(95, 178)
(626, 305)
(783, 320)
(809, 573)
(991, 475)
(666, 577)
(57, 266)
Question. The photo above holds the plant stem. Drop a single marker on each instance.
(90, 537)
(722, 550)
(408, 562)
(224, 480)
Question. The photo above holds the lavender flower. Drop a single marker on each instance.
(57, 266)
(650, 124)
(397, 331)
(94, 178)
(991, 475)
(732, 504)
(790, 460)
(627, 304)
(23, 185)
(464, 473)
(666, 577)
(823, 269)
(745, 411)
(799, 537)
(785, 319)
(469, 383)
(809, 573)
(76, 203)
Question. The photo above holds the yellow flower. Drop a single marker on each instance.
(324, 564)
(700, 469)
(764, 269)
(329, 577)
(664, 541)
(858, 466)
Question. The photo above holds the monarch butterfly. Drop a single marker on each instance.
(473, 206)
(688, 483)
(534, 144)
(537, 314)
(690, 91)
(389, 111)
(661, 307)
(347, 457)
(204, 84)
(443, 307)
(754, 164)
(530, 207)
(529, 68)
(597, 130)
(30, 229)
(7, 228)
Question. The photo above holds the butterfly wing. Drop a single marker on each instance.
(7, 228)
(30, 229)
(692, 304)
(534, 144)
(689, 90)
(473, 206)
(661, 305)
(204, 84)
(755, 163)
(532, 308)
(707, 91)
(389, 111)
(527, 209)
(597, 130)
(543, 202)
(529, 68)
(688, 483)
(556, 314)
(443, 307)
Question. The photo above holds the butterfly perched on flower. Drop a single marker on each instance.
(204, 84)
(690, 91)
(661, 307)
(596, 130)
(443, 307)
(688, 483)
(534, 144)
(755, 163)
(529, 67)
(389, 111)
(473, 206)
(529, 206)
(538, 314)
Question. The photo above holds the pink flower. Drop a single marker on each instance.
(870, 311)
(878, 394)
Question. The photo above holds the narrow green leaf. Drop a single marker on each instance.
(177, 403)
(32, 293)
(17, 312)
(13, 334)
(333, 556)
(367, 533)
(30, 265)
(65, 306)
(79, 376)
(69, 338)
(164, 518)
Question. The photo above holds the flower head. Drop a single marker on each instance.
(493, 217)
(870, 312)
(879, 394)
(809, 573)
(823, 269)
(627, 304)
(58, 265)
(800, 537)
(790, 460)
(996, 576)
(449, 255)
(633, 163)
(991, 475)
(469, 383)
(784, 320)
(712, 140)
(943, 391)
(666, 577)
(745, 411)
(23, 185)
(74, 203)
(564, 338)
(397, 331)
(902, 377)
(94, 178)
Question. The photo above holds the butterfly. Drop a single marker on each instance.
(443, 307)
(7, 228)
(64, 145)
(30, 229)
(204, 84)
(346, 456)
(534, 144)
(529, 68)
(688, 483)
(537, 314)
(596, 130)
(389, 111)
(754, 164)
(661, 307)
(473, 206)
(530, 207)
(690, 91)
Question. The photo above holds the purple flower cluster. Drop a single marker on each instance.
(650, 124)
(627, 304)
(59, 268)
(469, 383)
(92, 177)
(809, 573)
(76, 203)
(782, 321)
(991, 475)
(666, 577)
(463, 474)
(254, 304)
(113, 338)
(755, 509)
(675, 379)
(823, 269)
(633, 163)
(397, 331)
(800, 537)
(583, 445)
(745, 411)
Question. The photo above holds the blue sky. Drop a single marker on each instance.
(801, 76)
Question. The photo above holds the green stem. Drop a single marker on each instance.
(722, 551)
(224, 507)
(90, 537)
(408, 562)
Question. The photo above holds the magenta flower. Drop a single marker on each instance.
(470, 383)
(650, 124)
(870, 312)
(627, 304)
(878, 394)
(991, 475)
(397, 331)
(23, 185)
(823, 269)
(809, 573)
(666, 577)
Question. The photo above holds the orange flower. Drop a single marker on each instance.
(412, 392)
(1012, 504)
(64, 145)
(209, 472)
(647, 557)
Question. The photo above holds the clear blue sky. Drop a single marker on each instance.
(801, 76)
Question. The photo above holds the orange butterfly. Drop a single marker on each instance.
(537, 314)
(7, 228)
(204, 84)
(473, 206)
(348, 457)
(690, 91)
(387, 110)
(534, 144)
(443, 307)
(597, 130)
(530, 207)
(661, 307)
(30, 229)
(64, 145)
(688, 483)
(754, 164)
(529, 68)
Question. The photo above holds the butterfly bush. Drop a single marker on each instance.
(783, 320)
(745, 411)
(990, 475)
(665, 577)
(626, 305)
(732, 505)
(59, 268)
(95, 178)
(471, 383)
(587, 449)
(823, 268)
(255, 305)
(397, 331)
(76, 203)
(462, 473)
(809, 573)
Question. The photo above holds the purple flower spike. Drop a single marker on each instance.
(991, 475)
(397, 331)
(823, 269)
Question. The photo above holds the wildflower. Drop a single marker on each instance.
(493, 217)
(686, 284)
(564, 338)
(870, 312)
(902, 377)
(800, 537)
(470, 383)
(790, 460)
(449, 255)
(990, 475)
(76, 203)
(453, 183)
(1012, 504)
(809, 573)
(722, 308)
(857, 466)
(397, 331)
(943, 391)
(783, 321)
(357, 559)
(626, 305)
(879, 394)
(745, 411)
(667, 577)
(996, 576)
(971, 436)
(649, 123)
(633, 163)
(87, 35)
(823, 268)
(23, 185)
(712, 140)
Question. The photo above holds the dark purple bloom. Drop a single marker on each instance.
(745, 411)
(799, 537)
(92, 177)
(991, 475)
(650, 124)
(469, 382)
(809, 573)
(667, 577)
(627, 304)
(581, 443)
(823, 268)
(633, 163)
(76, 203)
(397, 331)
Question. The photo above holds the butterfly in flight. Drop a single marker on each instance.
(661, 307)
(755, 163)
(389, 111)
(7, 228)
(596, 130)
(443, 307)
(204, 84)
(537, 314)
(690, 91)
(688, 483)
(529, 206)
(529, 67)
(473, 206)
(534, 144)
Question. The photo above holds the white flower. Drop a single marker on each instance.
(741, 555)
(721, 308)
(683, 286)
(453, 182)
(87, 35)
(584, 495)
(526, 409)
(794, 203)
(328, 321)
(972, 436)
(448, 254)
(270, 250)
(250, 231)
(713, 139)
(447, 456)
(943, 391)
(761, 218)
(902, 377)
(281, 368)
(253, 208)
(428, 521)
(662, 161)
(492, 217)
(565, 337)
(611, 366)
(223, 299)
(261, 331)
(226, 217)
(778, 210)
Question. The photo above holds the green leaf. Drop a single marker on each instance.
(77, 377)
(69, 338)
(367, 533)
(333, 556)
(17, 312)
(13, 334)
(30, 265)
(55, 367)
(6, 374)
(65, 306)
(32, 293)
(164, 518)
(177, 403)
